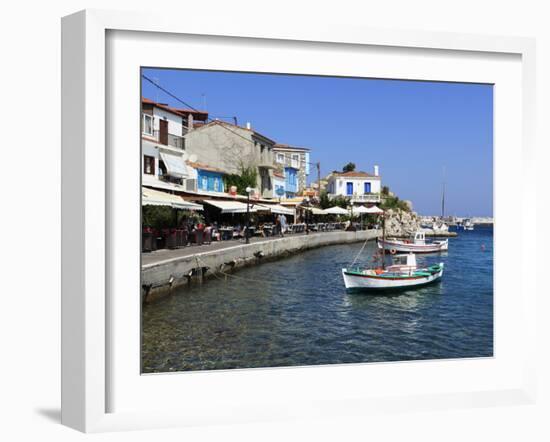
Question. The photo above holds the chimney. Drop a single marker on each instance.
(248, 125)
(190, 122)
(375, 170)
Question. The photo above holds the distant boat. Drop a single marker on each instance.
(402, 274)
(417, 244)
(440, 227)
(467, 224)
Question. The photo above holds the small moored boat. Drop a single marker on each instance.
(402, 274)
(467, 224)
(417, 244)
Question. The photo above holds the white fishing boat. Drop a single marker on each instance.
(467, 224)
(402, 274)
(416, 244)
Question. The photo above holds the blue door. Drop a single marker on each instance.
(349, 188)
(367, 187)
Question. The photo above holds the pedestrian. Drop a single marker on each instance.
(283, 224)
(278, 225)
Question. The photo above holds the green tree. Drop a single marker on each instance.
(393, 202)
(325, 202)
(350, 167)
(246, 178)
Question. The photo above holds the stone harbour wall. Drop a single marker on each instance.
(161, 278)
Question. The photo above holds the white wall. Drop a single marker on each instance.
(30, 35)
(340, 185)
(174, 122)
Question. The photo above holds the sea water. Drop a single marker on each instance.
(296, 311)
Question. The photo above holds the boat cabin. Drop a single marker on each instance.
(419, 237)
(403, 263)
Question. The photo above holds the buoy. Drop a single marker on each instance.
(393, 251)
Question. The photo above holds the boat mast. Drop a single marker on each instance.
(383, 240)
(443, 197)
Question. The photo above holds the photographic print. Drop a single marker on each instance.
(302, 220)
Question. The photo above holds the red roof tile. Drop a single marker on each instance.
(203, 166)
(200, 115)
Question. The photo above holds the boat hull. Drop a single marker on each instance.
(374, 283)
(396, 246)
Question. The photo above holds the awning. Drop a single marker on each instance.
(151, 197)
(175, 166)
(231, 206)
(275, 208)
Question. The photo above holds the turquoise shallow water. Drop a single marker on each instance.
(297, 312)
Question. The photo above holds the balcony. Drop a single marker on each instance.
(360, 198)
(172, 140)
(365, 198)
(295, 163)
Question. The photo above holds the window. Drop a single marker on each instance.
(204, 183)
(162, 168)
(216, 184)
(281, 158)
(367, 187)
(148, 165)
(262, 148)
(295, 160)
(349, 188)
(147, 124)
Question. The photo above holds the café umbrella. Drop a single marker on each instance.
(336, 210)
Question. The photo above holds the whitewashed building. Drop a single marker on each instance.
(163, 143)
(360, 187)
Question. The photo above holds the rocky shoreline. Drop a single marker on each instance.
(402, 224)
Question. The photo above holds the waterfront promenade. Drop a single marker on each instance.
(158, 256)
(165, 270)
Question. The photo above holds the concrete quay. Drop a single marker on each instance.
(164, 270)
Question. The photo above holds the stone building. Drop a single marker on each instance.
(231, 148)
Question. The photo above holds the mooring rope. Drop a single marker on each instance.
(357, 256)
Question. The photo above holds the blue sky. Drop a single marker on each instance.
(412, 130)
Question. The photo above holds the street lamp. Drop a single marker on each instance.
(246, 234)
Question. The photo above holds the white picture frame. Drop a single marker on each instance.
(87, 316)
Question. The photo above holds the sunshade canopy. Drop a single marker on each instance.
(231, 206)
(316, 211)
(373, 209)
(336, 210)
(151, 197)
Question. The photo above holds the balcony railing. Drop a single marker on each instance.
(290, 162)
(361, 198)
(366, 198)
(173, 140)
